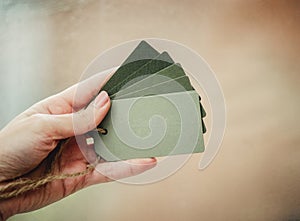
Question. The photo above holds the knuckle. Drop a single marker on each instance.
(37, 120)
(132, 170)
(107, 172)
(107, 179)
(107, 169)
(41, 124)
(85, 120)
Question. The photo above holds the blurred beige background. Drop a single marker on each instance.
(253, 47)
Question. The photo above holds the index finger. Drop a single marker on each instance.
(80, 94)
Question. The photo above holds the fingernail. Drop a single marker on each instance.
(101, 99)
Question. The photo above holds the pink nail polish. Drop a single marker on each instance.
(101, 99)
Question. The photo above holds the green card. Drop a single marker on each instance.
(155, 111)
(160, 62)
(160, 81)
(139, 133)
(142, 54)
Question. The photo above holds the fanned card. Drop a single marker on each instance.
(154, 112)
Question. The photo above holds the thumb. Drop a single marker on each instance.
(68, 125)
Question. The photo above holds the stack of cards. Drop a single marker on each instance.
(154, 112)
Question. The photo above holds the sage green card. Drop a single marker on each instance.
(151, 126)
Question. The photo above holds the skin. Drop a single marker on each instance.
(28, 139)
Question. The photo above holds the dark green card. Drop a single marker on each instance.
(161, 61)
(157, 80)
(142, 54)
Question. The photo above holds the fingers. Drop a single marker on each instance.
(110, 171)
(70, 100)
(79, 95)
(67, 125)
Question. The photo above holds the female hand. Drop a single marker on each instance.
(28, 139)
